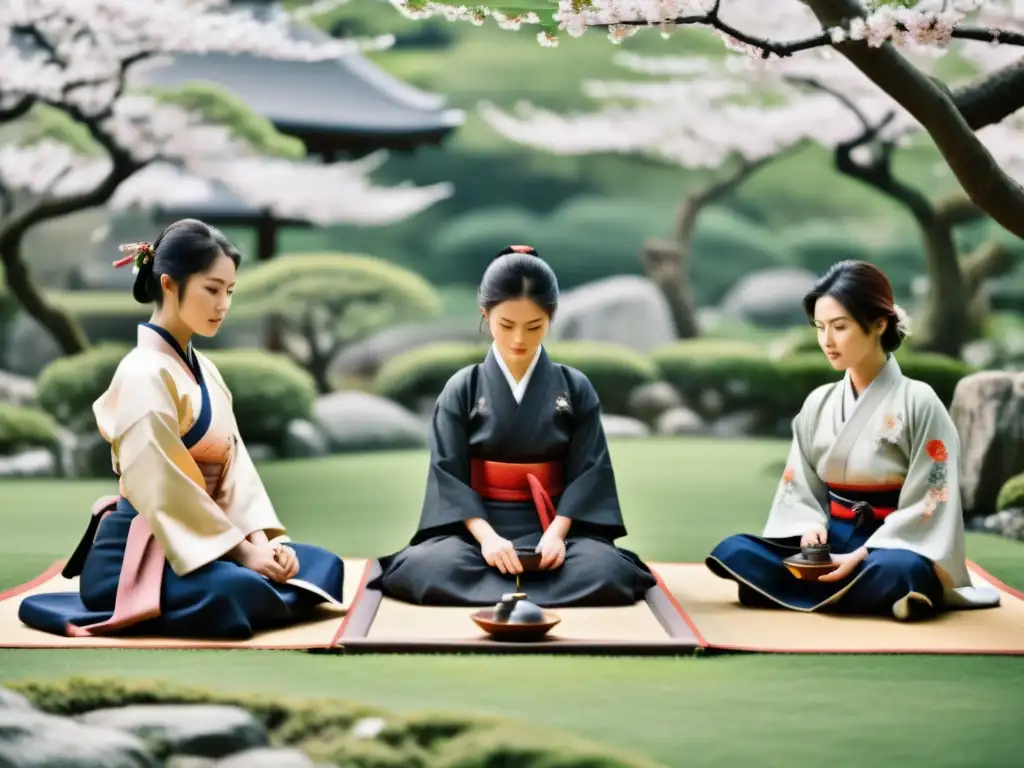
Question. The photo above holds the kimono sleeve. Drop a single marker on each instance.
(141, 417)
(929, 518)
(449, 499)
(242, 495)
(590, 495)
(798, 505)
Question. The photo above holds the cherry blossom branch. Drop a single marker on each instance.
(981, 177)
(992, 97)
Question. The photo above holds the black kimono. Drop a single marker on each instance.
(558, 423)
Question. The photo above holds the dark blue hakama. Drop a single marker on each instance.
(220, 600)
(880, 581)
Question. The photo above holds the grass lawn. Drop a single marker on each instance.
(681, 496)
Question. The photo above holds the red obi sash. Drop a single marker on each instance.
(499, 481)
(857, 502)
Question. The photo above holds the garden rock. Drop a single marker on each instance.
(679, 421)
(626, 310)
(14, 702)
(39, 740)
(303, 440)
(359, 421)
(92, 457)
(769, 297)
(267, 757)
(649, 401)
(988, 411)
(37, 462)
(623, 426)
(363, 359)
(1008, 523)
(261, 452)
(17, 390)
(738, 424)
(202, 730)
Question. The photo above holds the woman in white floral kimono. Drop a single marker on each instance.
(873, 472)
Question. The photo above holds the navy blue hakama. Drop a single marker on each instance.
(884, 579)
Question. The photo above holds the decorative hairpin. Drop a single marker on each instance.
(135, 253)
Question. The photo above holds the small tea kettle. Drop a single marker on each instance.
(514, 608)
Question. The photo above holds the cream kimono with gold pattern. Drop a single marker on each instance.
(897, 433)
(200, 502)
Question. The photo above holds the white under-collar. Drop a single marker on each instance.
(518, 387)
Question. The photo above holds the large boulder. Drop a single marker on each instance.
(988, 410)
(363, 359)
(17, 390)
(625, 310)
(769, 297)
(359, 421)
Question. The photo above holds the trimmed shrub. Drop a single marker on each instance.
(422, 373)
(718, 376)
(67, 387)
(1011, 495)
(23, 427)
(268, 390)
(818, 244)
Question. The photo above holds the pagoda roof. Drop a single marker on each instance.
(344, 104)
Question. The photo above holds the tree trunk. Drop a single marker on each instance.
(63, 327)
(668, 267)
(945, 319)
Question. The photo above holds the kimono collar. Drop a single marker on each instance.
(890, 371)
(518, 388)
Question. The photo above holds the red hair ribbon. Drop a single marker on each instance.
(139, 253)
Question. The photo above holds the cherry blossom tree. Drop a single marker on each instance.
(736, 114)
(871, 34)
(68, 63)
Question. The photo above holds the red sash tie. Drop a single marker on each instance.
(500, 481)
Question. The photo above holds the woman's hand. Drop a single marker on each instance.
(262, 560)
(815, 538)
(501, 554)
(847, 565)
(287, 559)
(552, 549)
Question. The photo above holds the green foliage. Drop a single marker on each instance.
(818, 244)
(46, 123)
(727, 246)
(23, 427)
(590, 239)
(1011, 495)
(67, 387)
(324, 729)
(717, 377)
(422, 373)
(366, 293)
(267, 390)
(217, 105)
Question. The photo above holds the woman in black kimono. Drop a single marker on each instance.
(518, 460)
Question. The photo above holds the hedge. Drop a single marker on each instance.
(23, 427)
(268, 390)
(1011, 495)
(323, 729)
(420, 374)
(718, 377)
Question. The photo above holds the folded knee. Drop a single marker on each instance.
(897, 563)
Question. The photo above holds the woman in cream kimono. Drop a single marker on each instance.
(192, 545)
(873, 472)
